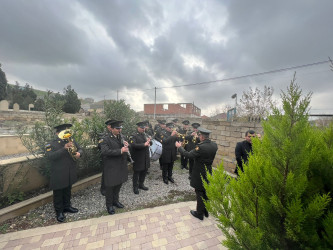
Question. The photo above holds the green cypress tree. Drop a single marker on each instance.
(3, 85)
(283, 198)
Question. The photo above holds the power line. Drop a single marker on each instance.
(250, 75)
(238, 77)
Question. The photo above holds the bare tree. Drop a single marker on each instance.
(256, 103)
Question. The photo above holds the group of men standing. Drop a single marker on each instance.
(194, 146)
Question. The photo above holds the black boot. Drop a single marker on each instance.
(118, 204)
(136, 190)
(171, 179)
(60, 217)
(196, 215)
(71, 210)
(111, 210)
(165, 180)
(206, 213)
(143, 187)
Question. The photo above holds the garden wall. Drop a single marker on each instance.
(226, 135)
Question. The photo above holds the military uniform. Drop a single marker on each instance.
(114, 167)
(63, 173)
(184, 131)
(140, 155)
(168, 154)
(158, 135)
(203, 156)
(192, 143)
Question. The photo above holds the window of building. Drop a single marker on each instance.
(165, 106)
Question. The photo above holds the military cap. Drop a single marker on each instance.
(186, 122)
(195, 125)
(63, 127)
(146, 122)
(116, 124)
(204, 131)
(169, 125)
(162, 121)
(141, 124)
(108, 122)
(175, 120)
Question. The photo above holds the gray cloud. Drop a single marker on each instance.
(100, 47)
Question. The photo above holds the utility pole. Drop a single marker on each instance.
(117, 94)
(155, 104)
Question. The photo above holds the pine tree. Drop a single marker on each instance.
(283, 198)
(3, 85)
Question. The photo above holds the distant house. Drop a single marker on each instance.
(172, 110)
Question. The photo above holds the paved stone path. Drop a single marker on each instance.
(166, 227)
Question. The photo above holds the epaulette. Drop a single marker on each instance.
(100, 141)
(197, 148)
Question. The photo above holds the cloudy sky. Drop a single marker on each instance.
(126, 48)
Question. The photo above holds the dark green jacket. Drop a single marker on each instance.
(203, 156)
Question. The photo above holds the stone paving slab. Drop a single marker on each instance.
(166, 227)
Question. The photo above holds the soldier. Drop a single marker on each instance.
(184, 131)
(193, 140)
(160, 129)
(203, 156)
(101, 136)
(168, 139)
(148, 129)
(140, 153)
(176, 125)
(114, 152)
(63, 173)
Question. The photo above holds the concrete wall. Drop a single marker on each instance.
(19, 173)
(226, 135)
(11, 144)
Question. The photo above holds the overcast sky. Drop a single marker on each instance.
(99, 47)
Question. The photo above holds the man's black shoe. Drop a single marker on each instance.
(61, 217)
(136, 190)
(72, 210)
(171, 179)
(196, 215)
(118, 204)
(143, 187)
(189, 177)
(206, 213)
(166, 181)
(111, 210)
(103, 192)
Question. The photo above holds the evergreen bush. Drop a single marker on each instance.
(283, 200)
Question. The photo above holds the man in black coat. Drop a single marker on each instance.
(158, 131)
(193, 140)
(114, 152)
(168, 157)
(243, 149)
(63, 153)
(140, 143)
(203, 156)
(184, 132)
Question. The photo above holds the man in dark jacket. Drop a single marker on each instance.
(63, 153)
(193, 140)
(243, 149)
(184, 132)
(168, 157)
(140, 143)
(114, 152)
(203, 156)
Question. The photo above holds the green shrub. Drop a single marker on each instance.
(283, 200)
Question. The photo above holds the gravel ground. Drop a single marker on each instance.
(91, 203)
